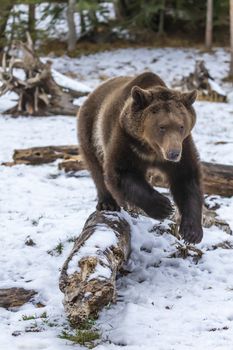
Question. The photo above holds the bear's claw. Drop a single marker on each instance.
(161, 208)
(108, 204)
(190, 232)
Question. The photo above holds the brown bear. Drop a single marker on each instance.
(130, 125)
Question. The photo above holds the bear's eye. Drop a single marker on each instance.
(154, 110)
(181, 128)
(162, 129)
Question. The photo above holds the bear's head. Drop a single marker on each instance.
(161, 118)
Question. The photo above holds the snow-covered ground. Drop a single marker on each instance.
(164, 303)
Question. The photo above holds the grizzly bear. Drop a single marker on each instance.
(130, 125)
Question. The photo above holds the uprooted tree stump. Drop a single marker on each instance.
(88, 276)
(202, 81)
(217, 178)
(39, 93)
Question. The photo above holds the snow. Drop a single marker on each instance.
(163, 302)
(216, 87)
(69, 83)
(171, 64)
(102, 239)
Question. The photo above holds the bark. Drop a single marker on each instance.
(161, 19)
(72, 165)
(82, 22)
(15, 297)
(88, 276)
(72, 36)
(217, 179)
(209, 25)
(122, 9)
(43, 155)
(231, 39)
(32, 20)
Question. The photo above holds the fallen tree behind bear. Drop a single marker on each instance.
(217, 178)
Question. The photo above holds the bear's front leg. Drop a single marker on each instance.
(185, 184)
(134, 189)
(188, 197)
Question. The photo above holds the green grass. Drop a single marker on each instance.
(57, 250)
(44, 315)
(28, 317)
(34, 317)
(85, 335)
(82, 337)
(87, 324)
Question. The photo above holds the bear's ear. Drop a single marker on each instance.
(189, 97)
(140, 97)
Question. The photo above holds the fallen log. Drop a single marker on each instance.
(15, 297)
(88, 276)
(72, 165)
(42, 155)
(217, 178)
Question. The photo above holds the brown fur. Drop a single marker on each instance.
(130, 125)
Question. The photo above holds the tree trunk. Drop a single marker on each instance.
(122, 9)
(32, 21)
(88, 276)
(72, 36)
(209, 25)
(231, 38)
(161, 20)
(5, 10)
(82, 22)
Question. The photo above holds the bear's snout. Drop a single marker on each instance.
(173, 155)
